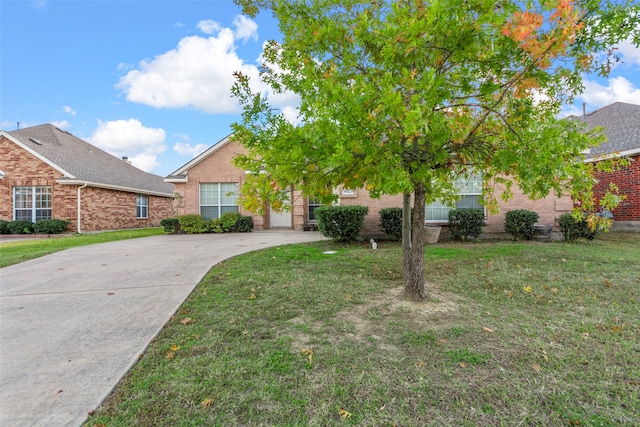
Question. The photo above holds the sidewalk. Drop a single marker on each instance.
(73, 323)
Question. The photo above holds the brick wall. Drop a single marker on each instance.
(217, 167)
(628, 182)
(361, 197)
(101, 209)
(105, 209)
(549, 208)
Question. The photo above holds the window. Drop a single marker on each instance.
(469, 192)
(217, 198)
(32, 203)
(142, 206)
(313, 204)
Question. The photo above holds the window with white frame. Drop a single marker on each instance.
(142, 206)
(469, 190)
(217, 198)
(313, 202)
(31, 203)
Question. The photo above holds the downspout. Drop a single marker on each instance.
(79, 188)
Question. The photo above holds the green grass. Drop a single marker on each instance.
(520, 333)
(24, 250)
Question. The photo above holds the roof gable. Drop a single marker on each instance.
(180, 174)
(79, 161)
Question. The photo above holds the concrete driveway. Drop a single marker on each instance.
(73, 323)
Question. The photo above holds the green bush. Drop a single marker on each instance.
(519, 223)
(244, 224)
(573, 230)
(3, 227)
(171, 225)
(340, 223)
(213, 226)
(466, 224)
(391, 222)
(50, 226)
(229, 220)
(191, 223)
(20, 226)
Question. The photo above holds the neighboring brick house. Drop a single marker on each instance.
(621, 123)
(46, 172)
(210, 185)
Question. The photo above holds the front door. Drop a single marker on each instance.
(281, 219)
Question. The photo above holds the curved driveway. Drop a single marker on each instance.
(73, 323)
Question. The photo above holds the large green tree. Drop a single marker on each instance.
(404, 97)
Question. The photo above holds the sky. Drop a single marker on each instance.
(151, 80)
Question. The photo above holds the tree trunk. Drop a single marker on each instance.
(414, 283)
(406, 237)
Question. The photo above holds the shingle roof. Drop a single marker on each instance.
(621, 123)
(85, 162)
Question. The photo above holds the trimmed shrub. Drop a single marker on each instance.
(171, 225)
(20, 226)
(50, 226)
(573, 230)
(340, 223)
(213, 226)
(228, 221)
(391, 222)
(519, 223)
(191, 223)
(466, 224)
(3, 227)
(244, 224)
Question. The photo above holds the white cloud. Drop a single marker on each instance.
(39, 5)
(630, 54)
(61, 124)
(246, 29)
(619, 89)
(186, 149)
(131, 139)
(198, 73)
(69, 110)
(145, 161)
(208, 26)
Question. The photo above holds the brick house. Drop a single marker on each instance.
(46, 172)
(210, 186)
(621, 123)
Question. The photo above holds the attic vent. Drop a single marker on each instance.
(35, 141)
(63, 131)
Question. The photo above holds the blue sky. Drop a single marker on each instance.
(150, 80)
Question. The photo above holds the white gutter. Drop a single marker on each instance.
(625, 153)
(113, 187)
(79, 188)
(178, 180)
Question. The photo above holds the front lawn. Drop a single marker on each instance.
(24, 250)
(543, 334)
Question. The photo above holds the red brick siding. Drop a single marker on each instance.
(104, 209)
(101, 209)
(628, 182)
